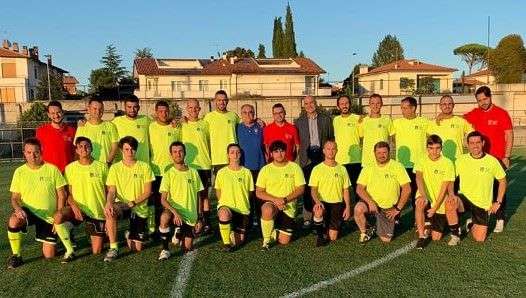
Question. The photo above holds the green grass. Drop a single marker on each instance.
(495, 268)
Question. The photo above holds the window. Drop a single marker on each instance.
(31, 94)
(7, 95)
(9, 70)
(381, 84)
(35, 71)
(373, 87)
(223, 84)
(310, 82)
(203, 85)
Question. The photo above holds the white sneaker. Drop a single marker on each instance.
(468, 223)
(499, 226)
(164, 255)
(455, 240)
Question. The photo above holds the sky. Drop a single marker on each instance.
(76, 33)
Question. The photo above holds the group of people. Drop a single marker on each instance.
(157, 174)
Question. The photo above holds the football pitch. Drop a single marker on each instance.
(344, 268)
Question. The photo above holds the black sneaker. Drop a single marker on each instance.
(421, 243)
(207, 230)
(67, 258)
(321, 241)
(14, 261)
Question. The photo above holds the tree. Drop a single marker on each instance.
(472, 54)
(261, 51)
(278, 39)
(389, 50)
(100, 79)
(508, 60)
(112, 63)
(426, 85)
(143, 53)
(56, 86)
(240, 52)
(289, 41)
(347, 83)
(407, 85)
(33, 116)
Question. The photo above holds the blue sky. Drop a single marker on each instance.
(76, 34)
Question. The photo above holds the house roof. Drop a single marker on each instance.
(408, 65)
(70, 80)
(482, 72)
(469, 81)
(11, 54)
(150, 66)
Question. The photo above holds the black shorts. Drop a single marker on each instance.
(333, 215)
(155, 197)
(184, 231)
(205, 176)
(439, 223)
(94, 227)
(240, 222)
(353, 170)
(284, 223)
(412, 177)
(138, 225)
(43, 230)
(479, 216)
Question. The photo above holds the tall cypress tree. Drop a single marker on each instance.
(278, 39)
(275, 47)
(289, 43)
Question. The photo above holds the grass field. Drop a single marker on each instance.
(496, 268)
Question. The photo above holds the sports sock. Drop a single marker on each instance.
(224, 230)
(206, 217)
(267, 226)
(63, 234)
(165, 237)
(15, 240)
(318, 225)
(151, 219)
(114, 245)
(455, 230)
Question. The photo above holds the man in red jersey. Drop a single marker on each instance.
(56, 137)
(283, 131)
(494, 123)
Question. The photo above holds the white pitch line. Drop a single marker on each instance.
(185, 268)
(354, 272)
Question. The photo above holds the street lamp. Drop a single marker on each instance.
(48, 82)
(352, 76)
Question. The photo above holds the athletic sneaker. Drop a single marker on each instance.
(421, 243)
(111, 255)
(265, 246)
(67, 258)
(455, 240)
(14, 261)
(307, 224)
(469, 223)
(364, 237)
(164, 255)
(207, 230)
(499, 226)
(321, 241)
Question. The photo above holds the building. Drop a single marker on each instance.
(405, 77)
(70, 84)
(21, 72)
(201, 78)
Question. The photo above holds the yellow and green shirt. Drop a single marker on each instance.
(137, 128)
(452, 132)
(161, 136)
(383, 182)
(410, 139)
(38, 189)
(281, 181)
(476, 178)
(435, 173)
(102, 136)
(129, 183)
(183, 188)
(330, 181)
(87, 183)
(235, 187)
(374, 130)
(196, 139)
(222, 128)
(347, 137)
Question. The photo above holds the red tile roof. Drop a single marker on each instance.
(149, 66)
(406, 65)
(70, 80)
(11, 54)
(482, 72)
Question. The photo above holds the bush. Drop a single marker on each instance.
(34, 116)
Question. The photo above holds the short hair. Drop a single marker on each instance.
(131, 98)
(410, 100)
(32, 142)
(343, 96)
(382, 144)
(130, 141)
(95, 100)
(177, 144)
(278, 105)
(473, 134)
(54, 103)
(221, 92)
(248, 105)
(483, 89)
(329, 140)
(446, 96)
(433, 139)
(232, 145)
(162, 103)
(376, 95)
(83, 139)
(277, 145)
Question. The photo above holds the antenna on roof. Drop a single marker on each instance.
(217, 45)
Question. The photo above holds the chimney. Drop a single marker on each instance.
(212, 58)
(6, 44)
(15, 46)
(33, 52)
(233, 59)
(224, 56)
(363, 69)
(25, 51)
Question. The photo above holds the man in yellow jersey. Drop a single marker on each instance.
(134, 125)
(196, 138)
(279, 185)
(129, 187)
(329, 184)
(161, 134)
(347, 136)
(374, 128)
(86, 180)
(477, 170)
(435, 175)
(450, 128)
(410, 138)
(37, 189)
(233, 186)
(179, 195)
(103, 134)
(384, 190)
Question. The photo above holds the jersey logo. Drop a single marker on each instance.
(240, 179)
(484, 170)
(43, 178)
(190, 181)
(138, 176)
(138, 126)
(102, 132)
(198, 129)
(453, 126)
(493, 122)
(94, 175)
(417, 127)
(350, 124)
(380, 126)
(287, 175)
(228, 121)
(336, 175)
(256, 130)
(437, 172)
(169, 134)
(288, 136)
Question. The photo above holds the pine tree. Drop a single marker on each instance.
(111, 62)
(277, 39)
(261, 51)
(508, 60)
(143, 53)
(389, 50)
(289, 42)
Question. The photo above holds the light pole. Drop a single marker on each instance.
(352, 76)
(48, 82)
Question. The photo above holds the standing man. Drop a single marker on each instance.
(134, 125)
(281, 130)
(196, 138)
(495, 125)
(102, 134)
(347, 136)
(374, 128)
(56, 137)
(36, 189)
(384, 190)
(279, 185)
(250, 137)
